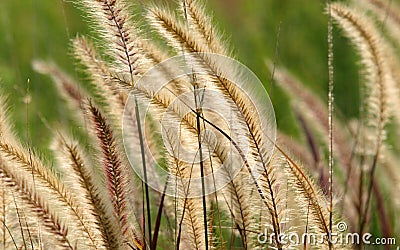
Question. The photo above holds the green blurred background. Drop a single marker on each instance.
(43, 28)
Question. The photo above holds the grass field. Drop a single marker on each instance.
(320, 176)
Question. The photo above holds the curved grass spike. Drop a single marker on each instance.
(133, 53)
(118, 31)
(102, 76)
(388, 13)
(69, 89)
(199, 21)
(105, 221)
(43, 180)
(378, 81)
(71, 179)
(65, 84)
(51, 220)
(113, 166)
(310, 191)
(112, 99)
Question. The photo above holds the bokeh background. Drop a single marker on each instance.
(291, 32)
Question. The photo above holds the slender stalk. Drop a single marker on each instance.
(203, 188)
(143, 219)
(158, 220)
(3, 213)
(275, 60)
(21, 227)
(7, 229)
(144, 169)
(330, 118)
(382, 211)
(306, 231)
(27, 101)
(216, 193)
(369, 192)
